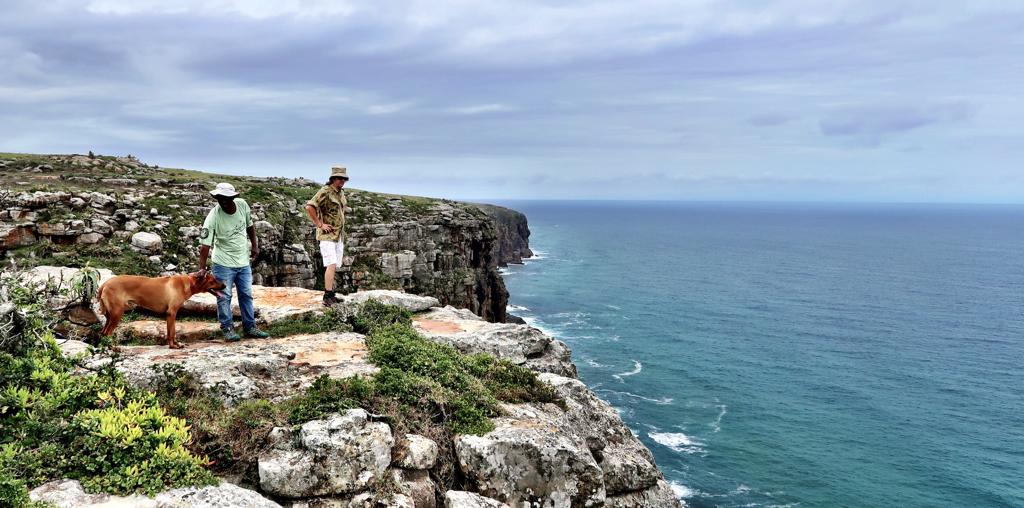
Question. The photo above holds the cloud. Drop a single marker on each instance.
(769, 119)
(873, 123)
(480, 109)
(556, 93)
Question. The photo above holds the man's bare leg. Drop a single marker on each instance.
(329, 298)
(329, 277)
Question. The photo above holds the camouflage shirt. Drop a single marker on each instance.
(330, 207)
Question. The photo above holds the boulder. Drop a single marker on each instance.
(530, 461)
(101, 226)
(462, 499)
(627, 465)
(99, 200)
(417, 485)
(415, 452)
(343, 454)
(147, 242)
(90, 238)
(14, 236)
(70, 494)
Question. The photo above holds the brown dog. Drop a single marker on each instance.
(164, 295)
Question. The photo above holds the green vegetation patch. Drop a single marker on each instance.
(95, 428)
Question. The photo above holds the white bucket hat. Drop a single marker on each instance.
(224, 189)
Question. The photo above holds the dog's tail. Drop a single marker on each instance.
(99, 298)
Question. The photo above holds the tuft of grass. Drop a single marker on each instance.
(330, 320)
(374, 315)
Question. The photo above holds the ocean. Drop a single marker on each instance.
(796, 354)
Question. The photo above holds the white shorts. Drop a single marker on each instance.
(333, 252)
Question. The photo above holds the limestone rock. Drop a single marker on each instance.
(147, 242)
(398, 264)
(340, 455)
(417, 485)
(415, 452)
(69, 494)
(14, 236)
(90, 238)
(410, 302)
(627, 465)
(519, 344)
(265, 368)
(462, 499)
(660, 495)
(525, 461)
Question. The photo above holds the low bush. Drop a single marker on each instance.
(373, 315)
(93, 427)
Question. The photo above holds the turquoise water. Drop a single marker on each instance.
(797, 355)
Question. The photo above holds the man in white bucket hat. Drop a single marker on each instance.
(327, 210)
(229, 231)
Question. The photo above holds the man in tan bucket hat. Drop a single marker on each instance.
(327, 210)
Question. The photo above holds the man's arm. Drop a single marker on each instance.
(204, 253)
(254, 251)
(206, 235)
(314, 215)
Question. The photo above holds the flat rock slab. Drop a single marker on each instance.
(272, 303)
(69, 494)
(255, 368)
(519, 344)
(410, 302)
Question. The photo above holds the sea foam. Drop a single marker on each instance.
(677, 441)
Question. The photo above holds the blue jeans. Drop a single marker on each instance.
(242, 279)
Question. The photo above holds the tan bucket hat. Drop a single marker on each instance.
(339, 171)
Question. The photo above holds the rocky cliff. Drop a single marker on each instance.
(119, 213)
(572, 452)
(513, 243)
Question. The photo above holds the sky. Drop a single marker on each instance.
(801, 100)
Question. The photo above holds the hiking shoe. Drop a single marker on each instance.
(330, 298)
(231, 336)
(256, 333)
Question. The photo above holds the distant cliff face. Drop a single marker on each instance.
(513, 234)
(118, 213)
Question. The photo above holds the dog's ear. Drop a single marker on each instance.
(193, 283)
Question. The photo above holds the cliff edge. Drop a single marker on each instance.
(132, 217)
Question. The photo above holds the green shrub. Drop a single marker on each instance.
(134, 446)
(330, 320)
(93, 426)
(374, 314)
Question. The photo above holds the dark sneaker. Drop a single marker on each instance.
(231, 336)
(330, 299)
(256, 333)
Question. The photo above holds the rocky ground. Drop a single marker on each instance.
(576, 454)
(125, 215)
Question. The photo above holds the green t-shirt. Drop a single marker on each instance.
(226, 234)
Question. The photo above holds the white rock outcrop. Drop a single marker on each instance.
(410, 302)
(463, 499)
(69, 494)
(415, 452)
(344, 454)
(519, 344)
(530, 462)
